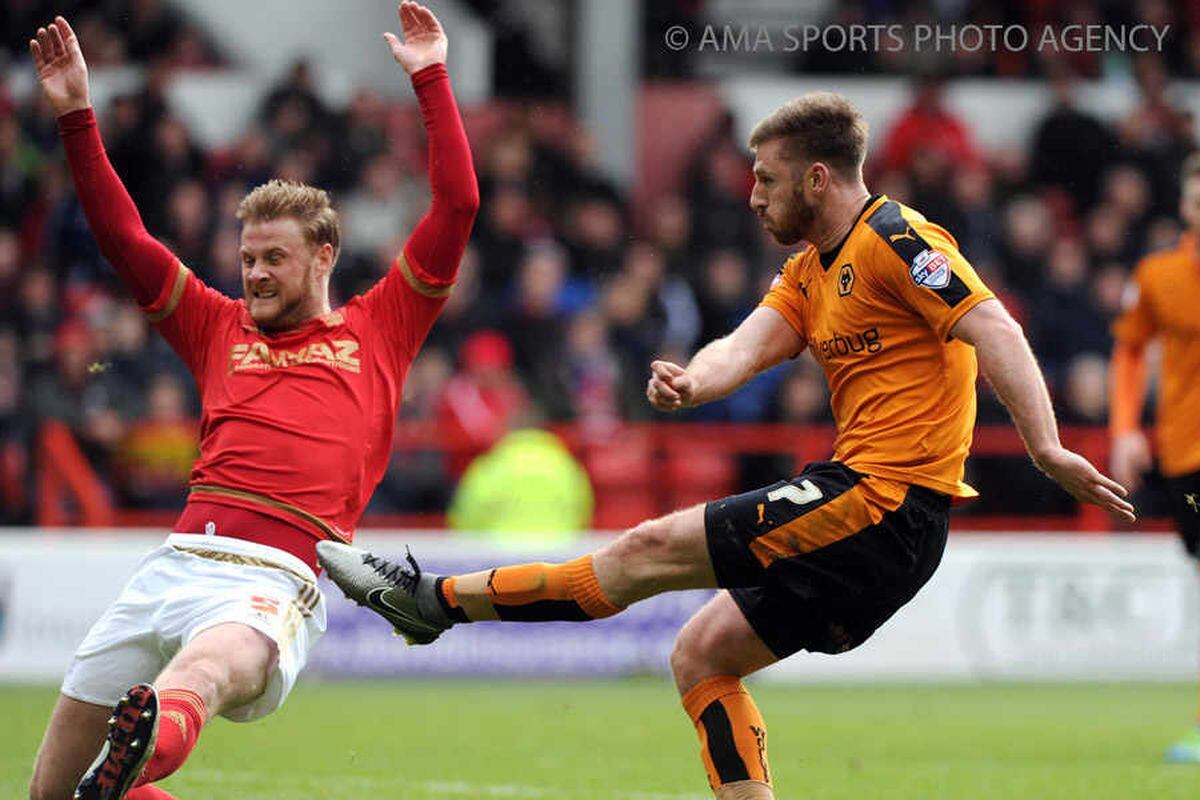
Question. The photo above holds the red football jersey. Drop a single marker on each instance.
(297, 425)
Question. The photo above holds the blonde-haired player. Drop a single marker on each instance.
(299, 402)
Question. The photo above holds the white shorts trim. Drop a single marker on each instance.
(190, 584)
(228, 544)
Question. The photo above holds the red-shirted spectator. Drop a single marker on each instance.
(928, 126)
(480, 403)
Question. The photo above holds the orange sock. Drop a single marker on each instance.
(733, 738)
(528, 593)
(148, 791)
(181, 715)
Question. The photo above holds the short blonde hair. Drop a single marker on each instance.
(308, 205)
(819, 126)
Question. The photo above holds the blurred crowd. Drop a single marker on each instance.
(117, 32)
(565, 295)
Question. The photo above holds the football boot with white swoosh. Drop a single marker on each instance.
(400, 593)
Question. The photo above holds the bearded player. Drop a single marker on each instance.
(897, 318)
(1160, 305)
(299, 408)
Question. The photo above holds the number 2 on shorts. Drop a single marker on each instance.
(801, 495)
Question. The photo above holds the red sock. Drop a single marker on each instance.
(181, 714)
(148, 792)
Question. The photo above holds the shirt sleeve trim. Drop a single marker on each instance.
(419, 286)
(960, 311)
(157, 315)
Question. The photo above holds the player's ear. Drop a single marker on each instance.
(818, 176)
(801, 174)
(325, 257)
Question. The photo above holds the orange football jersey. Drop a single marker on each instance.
(1160, 305)
(876, 313)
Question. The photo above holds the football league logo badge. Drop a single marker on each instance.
(931, 269)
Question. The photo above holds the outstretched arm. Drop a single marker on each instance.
(722, 366)
(143, 263)
(436, 245)
(1007, 362)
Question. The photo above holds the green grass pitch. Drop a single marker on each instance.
(629, 740)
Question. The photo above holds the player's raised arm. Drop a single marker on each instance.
(1007, 362)
(143, 263)
(722, 366)
(436, 245)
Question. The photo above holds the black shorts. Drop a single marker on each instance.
(1184, 492)
(819, 562)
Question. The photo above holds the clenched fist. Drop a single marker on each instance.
(670, 386)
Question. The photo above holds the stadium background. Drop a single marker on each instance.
(614, 229)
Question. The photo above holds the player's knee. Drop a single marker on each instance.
(649, 541)
(695, 657)
(204, 675)
(655, 556)
(683, 666)
(644, 552)
(234, 662)
(655, 542)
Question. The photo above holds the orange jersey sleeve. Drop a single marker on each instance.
(1126, 388)
(1136, 324)
(786, 296)
(1127, 367)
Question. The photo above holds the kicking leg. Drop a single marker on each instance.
(73, 736)
(714, 651)
(656, 556)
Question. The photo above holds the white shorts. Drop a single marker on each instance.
(189, 584)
